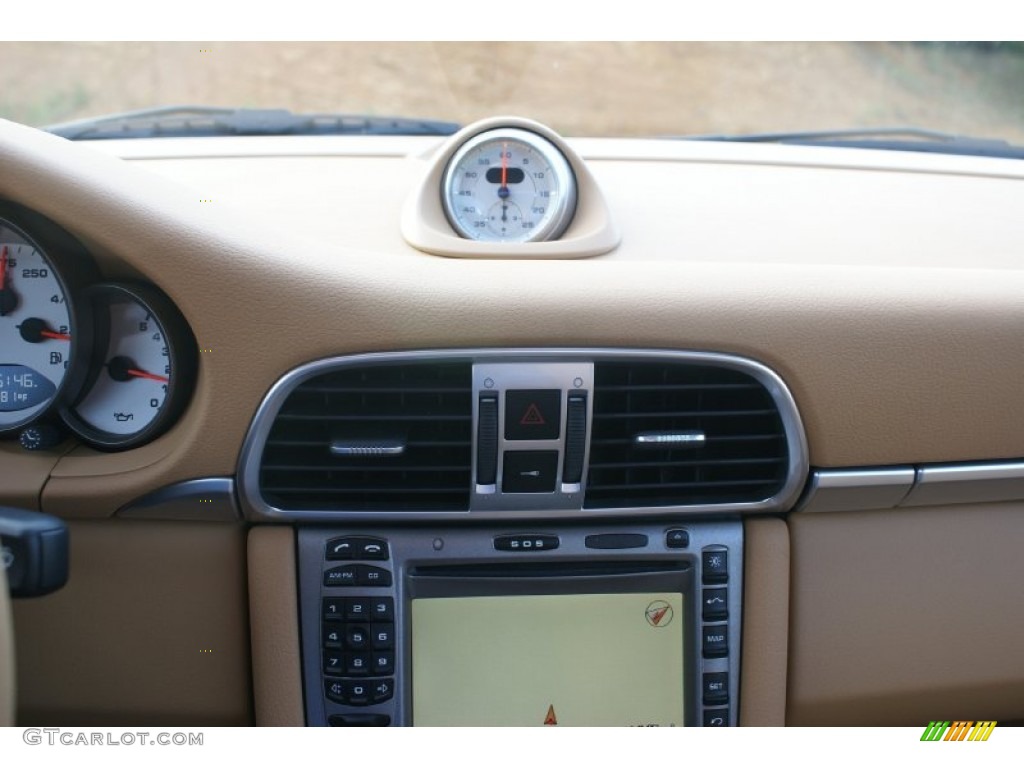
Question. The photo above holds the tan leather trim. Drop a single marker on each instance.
(151, 629)
(23, 474)
(904, 616)
(8, 679)
(274, 616)
(838, 280)
(765, 622)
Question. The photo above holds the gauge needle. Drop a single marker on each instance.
(146, 375)
(34, 330)
(503, 189)
(123, 368)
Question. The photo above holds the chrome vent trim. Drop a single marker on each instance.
(256, 506)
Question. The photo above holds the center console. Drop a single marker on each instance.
(522, 537)
(539, 625)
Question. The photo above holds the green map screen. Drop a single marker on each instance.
(520, 660)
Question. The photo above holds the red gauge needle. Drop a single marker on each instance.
(3, 268)
(34, 330)
(122, 368)
(145, 375)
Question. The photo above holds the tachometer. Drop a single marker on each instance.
(509, 185)
(39, 335)
(143, 369)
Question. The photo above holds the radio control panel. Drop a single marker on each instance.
(409, 625)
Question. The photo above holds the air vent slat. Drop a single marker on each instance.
(743, 456)
(267, 467)
(372, 417)
(426, 407)
(629, 388)
(686, 414)
(695, 463)
(676, 486)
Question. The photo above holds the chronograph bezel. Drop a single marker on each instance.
(558, 216)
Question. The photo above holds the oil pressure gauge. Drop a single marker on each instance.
(143, 370)
(509, 185)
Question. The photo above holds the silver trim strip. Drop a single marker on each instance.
(852, 490)
(657, 439)
(255, 507)
(368, 448)
(848, 490)
(207, 499)
(967, 484)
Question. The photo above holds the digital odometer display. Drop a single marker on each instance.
(21, 388)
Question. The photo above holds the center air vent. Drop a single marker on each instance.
(388, 437)
(668, 434)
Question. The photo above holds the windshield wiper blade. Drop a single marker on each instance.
(901, 139)
(179, 121)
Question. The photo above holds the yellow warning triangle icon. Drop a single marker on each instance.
(551, 719)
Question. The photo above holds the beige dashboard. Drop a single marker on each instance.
(885, 289)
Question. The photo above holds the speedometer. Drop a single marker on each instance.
(39, 338)
(509, 185)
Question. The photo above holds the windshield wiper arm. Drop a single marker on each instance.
(218, 121)
(901, 139)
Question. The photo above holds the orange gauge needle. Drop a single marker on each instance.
(58, 336)
(145, 375)
(3, 268)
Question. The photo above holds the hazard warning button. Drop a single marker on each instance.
(533, 414)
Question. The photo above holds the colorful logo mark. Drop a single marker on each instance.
(659, 614)
(958, 730)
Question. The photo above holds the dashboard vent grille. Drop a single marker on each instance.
(707, 435)
(386, 437)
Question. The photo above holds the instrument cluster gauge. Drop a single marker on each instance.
(509, 185)
(142, 371)
(42, 337)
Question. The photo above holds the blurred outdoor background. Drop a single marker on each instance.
(579, 88)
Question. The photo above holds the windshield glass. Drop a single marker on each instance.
(579, 88)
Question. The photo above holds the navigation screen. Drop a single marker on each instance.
(586, 660)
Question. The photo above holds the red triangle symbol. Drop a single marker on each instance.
(532, 417)
(551, 719)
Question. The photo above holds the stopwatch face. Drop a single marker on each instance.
(509, 185)
(143, 370)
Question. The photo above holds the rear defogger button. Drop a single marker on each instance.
(529, 472)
